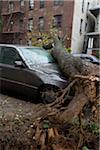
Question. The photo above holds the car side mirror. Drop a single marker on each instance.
(19, 64)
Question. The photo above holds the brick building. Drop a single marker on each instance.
(13, 13)
(21, 17)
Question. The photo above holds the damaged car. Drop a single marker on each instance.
(30, 71)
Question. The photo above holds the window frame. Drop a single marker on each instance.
(88, 5)
(4, 51)
(58, 21)
(29, 42)
(41, 27)
(81, 25)
(58, 2)
(21, 23)
(30, 24)
(22, 3)
(31, 4)
(11, 6)
(83, 6)
(42, 3)
(86, 24)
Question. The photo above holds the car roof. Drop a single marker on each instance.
(8, 45)
(18, 46)
(87, 55)
(84, 55)
(81, 54)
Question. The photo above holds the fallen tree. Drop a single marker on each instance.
(70, 122)
(81, 75)
(84, 79)
(69, 64)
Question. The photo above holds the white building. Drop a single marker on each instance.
(92, 42)
(82, 23)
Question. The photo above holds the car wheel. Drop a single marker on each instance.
(48, 94)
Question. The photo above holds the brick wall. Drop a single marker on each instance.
(66, 10)
(47, 12)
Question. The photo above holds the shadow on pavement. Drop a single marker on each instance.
(19, 96)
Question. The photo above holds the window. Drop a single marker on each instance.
(58, 21)
(11, 25)
(58, 2)
(21, 42)
(11, 6)
(98, 2)
(88, 6)
(85, 26)
(82, 5)
(21, 23)
(81, 25)
(41, 23)
(41, 3)
(0, 55)
(29, 42)
(9, 55)
(22, 2)
(30, 24)
(31, 4)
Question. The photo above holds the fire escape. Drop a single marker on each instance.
(13, 16)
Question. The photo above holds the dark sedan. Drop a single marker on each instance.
(30, 71)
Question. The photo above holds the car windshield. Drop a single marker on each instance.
(36, 56)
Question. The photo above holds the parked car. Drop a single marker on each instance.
(30, 71)
(89, 58)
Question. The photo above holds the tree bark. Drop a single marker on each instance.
(72, 110)
(73, 67)
(69, 64)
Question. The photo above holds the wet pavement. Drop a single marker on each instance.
(11, 105)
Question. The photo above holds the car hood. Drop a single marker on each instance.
(49, 68)
(50, 73)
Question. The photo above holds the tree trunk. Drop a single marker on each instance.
(69, 64)
(74, 68)
(72, 110)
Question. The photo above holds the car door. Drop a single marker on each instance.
(13, 78)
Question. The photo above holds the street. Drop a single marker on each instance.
(16, 121)
(11, 106)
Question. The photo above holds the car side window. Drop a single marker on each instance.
(0, 56)
(9, 55)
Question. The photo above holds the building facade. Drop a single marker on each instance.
(23, 17)
(92, 37)
(86, 25)
(79, 24)
(13, 13)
